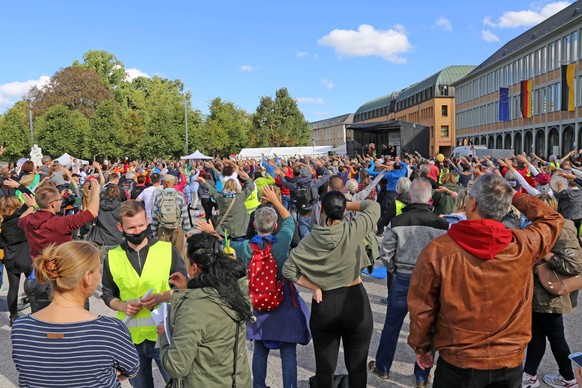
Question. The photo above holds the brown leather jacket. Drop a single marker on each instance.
(476, 311)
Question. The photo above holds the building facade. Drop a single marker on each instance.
(536, 57)
(331, 131)
(430, 103)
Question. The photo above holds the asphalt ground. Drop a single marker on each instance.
(401, 373)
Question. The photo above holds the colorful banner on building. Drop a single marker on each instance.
(503, 104)
(525, 100)
(568, 98)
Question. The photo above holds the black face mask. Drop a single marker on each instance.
(137, 238)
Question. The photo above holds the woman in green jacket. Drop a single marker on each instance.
(208, 320)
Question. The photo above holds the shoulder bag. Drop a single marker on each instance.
(555, 283)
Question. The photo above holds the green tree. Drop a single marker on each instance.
(292, 128)
(233, 121)
(108, 137)
(77, 88)
(110, 69)
(15, 130)
(279, 122)
(164, 125)
(61, 130)
(264, 123)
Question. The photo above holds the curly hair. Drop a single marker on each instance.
(219, 272)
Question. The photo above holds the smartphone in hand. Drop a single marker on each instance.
(576, 358)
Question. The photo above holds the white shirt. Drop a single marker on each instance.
(147, 196)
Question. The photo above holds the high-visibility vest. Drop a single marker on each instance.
(155, 274)
(252, 202)
(399, 206)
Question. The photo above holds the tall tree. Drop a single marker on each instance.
(231, 120)
(292, 128)
(61, 130)
(15, 131)
(107, 135)
(279, 122)
(264, 123)
(110, 69)
(77, 88)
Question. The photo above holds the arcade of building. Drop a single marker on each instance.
(460, 104)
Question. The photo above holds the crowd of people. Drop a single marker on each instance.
(225, 243)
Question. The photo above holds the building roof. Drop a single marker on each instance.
(383, 125)
(446, 76)
(378, 102)
(332, 120)
(534, 34)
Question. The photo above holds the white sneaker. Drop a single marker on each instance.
(529, 381)
(558, 381)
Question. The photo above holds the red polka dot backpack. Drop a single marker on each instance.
(265, 290)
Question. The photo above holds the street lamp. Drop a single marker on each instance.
(186, 121)
(30, 120)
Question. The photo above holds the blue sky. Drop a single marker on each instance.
(332, 56)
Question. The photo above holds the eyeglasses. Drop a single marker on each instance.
(56, 200)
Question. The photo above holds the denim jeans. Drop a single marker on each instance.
(395, 314)
(147, 352)
(288, 364)
(450, 376)
(304, 224)
(286, 201)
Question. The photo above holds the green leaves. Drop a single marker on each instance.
(90, 109)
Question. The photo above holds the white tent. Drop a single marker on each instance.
(196, 155)
(66, 159)
(283, 151)
(341, 150)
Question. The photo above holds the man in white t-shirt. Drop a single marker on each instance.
(148, 195)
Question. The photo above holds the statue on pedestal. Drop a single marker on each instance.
(36, 155)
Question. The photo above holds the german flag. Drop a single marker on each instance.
(568, 104)
(525, 100)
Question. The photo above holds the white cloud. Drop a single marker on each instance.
(310, 100)
(444, 23)
(367, 41)
(327, 84)
(14, 91)
(526, 18)
(488, 36)
(302, 54)
(247, 68)
(133, 73)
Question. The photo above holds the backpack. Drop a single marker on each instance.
(303, 198)
(169, 213)
(265, 290)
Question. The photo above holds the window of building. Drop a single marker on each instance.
(558, 54)
(566, 49)
(531, 65)
(445, 110)
(575, 46)
(444, 131)
(552, 96)
(543, 60)
(544, 100)
(551, 56)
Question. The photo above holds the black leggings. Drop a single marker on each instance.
(551, 326)
(13, 285)
(345, 314)
(207, 205)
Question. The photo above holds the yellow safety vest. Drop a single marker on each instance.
(155, 274)
(399, 206)
(252, 202)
